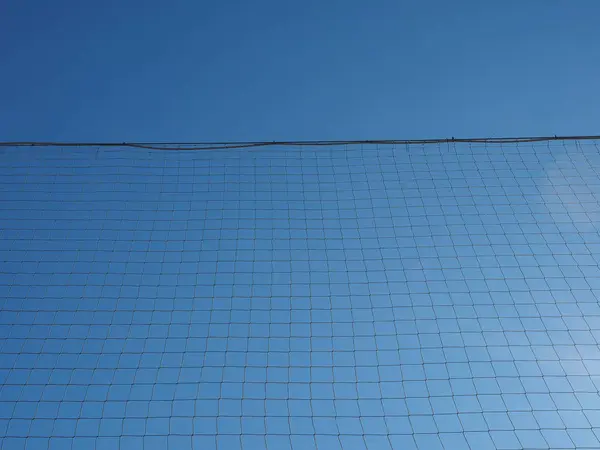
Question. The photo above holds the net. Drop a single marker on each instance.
(359, 296)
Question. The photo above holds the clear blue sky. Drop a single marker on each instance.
(240, 70)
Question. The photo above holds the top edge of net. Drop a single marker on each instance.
(325, 143)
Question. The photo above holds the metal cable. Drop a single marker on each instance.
(324, 143)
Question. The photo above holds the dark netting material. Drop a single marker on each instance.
(424, 296)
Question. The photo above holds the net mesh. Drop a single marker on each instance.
(392, 297)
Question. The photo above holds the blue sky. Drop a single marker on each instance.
(440, 296)
(141, 70)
